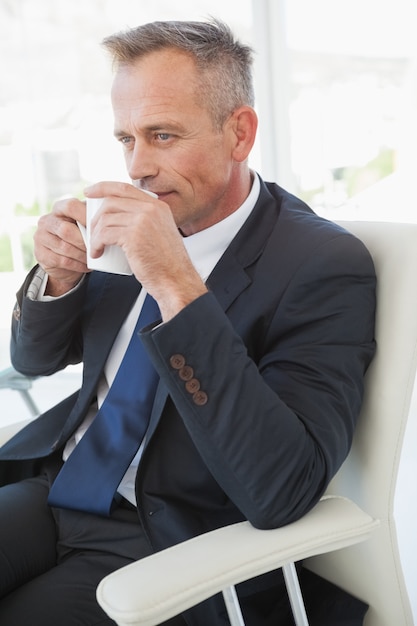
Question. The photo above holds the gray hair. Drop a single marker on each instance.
(224, 64)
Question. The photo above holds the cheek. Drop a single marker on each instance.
(192, 169)
(208, 167)
(204, 166)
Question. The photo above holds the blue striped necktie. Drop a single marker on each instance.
(89, 479)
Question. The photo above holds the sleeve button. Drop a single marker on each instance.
(186, 372)
(192, 385)
(177, 361)
(200, 398)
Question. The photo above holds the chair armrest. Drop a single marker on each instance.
(158, 587)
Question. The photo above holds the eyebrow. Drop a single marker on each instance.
(163, 127)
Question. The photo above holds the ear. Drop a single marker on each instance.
(243, 123)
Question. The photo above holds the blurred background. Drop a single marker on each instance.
(336, 85)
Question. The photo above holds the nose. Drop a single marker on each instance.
(141, 162)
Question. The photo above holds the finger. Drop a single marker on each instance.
(115, 214)
(53, 254)
(107, 189)
(62, 230)
(70, 209)
(61, 246)
(111, 228)
(62, 266)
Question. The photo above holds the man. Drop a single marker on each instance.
(263, 336)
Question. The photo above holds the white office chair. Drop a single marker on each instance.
(355, 549)
(154, 589)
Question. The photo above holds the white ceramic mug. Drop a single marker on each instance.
(113, 259)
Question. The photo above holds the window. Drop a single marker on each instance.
(343, 103)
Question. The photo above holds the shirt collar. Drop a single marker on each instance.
(207, 246)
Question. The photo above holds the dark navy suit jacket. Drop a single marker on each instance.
(279, 347)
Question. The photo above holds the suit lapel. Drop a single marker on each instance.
(118, 294)
(230, 276)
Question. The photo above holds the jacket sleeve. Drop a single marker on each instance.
(274, 422)
(46, 336)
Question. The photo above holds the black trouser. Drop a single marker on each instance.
(51, 560)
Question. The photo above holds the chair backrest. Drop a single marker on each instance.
(373, 570)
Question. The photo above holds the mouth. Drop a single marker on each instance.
(150, 193)
(162, 195)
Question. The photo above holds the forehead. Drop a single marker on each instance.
(161, 80)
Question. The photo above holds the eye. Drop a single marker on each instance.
(163, 136)
(125, 140)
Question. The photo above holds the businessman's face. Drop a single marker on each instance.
(170, 143)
